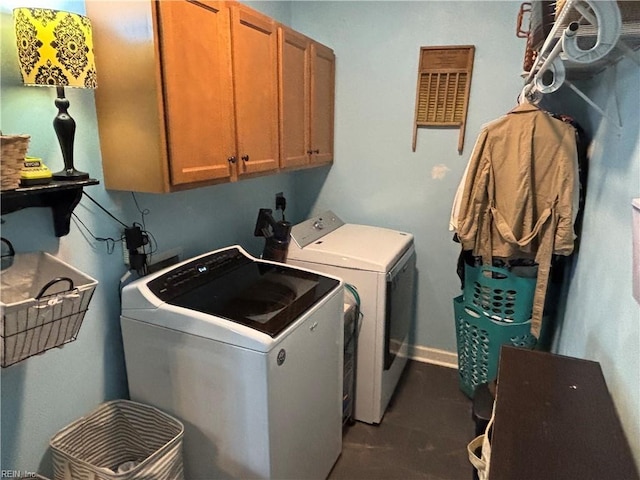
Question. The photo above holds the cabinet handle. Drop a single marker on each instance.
(231, 159)
(309, 152)
(245, 158)
(316, 151)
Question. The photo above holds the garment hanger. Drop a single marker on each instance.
(529, 96)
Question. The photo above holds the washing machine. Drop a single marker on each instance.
(380, 264)
(248, 354)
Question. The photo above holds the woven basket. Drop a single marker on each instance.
(119, 433)
(14, 149)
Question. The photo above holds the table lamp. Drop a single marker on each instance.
(55, 49)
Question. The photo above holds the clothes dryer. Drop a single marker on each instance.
(380, 263)
(248, 354)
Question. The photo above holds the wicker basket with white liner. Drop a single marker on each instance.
(14, 149)
(43, 303)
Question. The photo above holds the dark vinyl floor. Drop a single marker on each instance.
(423, 435)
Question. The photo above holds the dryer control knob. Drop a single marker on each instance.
(318, 225)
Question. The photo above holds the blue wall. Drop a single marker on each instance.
(376, 179)
(602, 320)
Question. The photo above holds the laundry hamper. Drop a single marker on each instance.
(500, 293)
(479, 340)
(140, 441)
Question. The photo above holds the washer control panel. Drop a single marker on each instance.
(315, 228)
(190, 275)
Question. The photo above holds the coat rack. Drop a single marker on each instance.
(548, 72)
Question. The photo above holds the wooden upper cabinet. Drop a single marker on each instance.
(198, 96)
(189, 94)
(164, 101)
(129, 102)
(254, 58)
(295, 102)
(322, 103)
(306, 82)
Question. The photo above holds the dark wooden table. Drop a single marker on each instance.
(555, 419)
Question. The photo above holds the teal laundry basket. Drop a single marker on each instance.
(479, 339)
(501, 294)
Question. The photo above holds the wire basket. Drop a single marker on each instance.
(14, 149)
(122, 440)
(43, 303)
(479, 340)
(499, 293)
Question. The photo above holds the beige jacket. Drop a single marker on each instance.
(519, 192)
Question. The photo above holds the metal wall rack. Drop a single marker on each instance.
(587, 36)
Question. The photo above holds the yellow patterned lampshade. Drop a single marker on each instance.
(55, 48)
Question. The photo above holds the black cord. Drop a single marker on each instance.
(111, 243)
(153, 244)
(151, 240)
(144, 212)
(104, 209)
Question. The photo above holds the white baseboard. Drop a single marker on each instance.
(433, 355)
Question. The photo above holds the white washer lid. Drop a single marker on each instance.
(360, 247)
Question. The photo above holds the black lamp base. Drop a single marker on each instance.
(65, 128)
(70, 174)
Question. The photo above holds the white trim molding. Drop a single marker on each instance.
(433, 355)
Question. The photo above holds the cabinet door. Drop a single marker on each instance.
(322, 98)
(255, 78)
(294, 86)
(198, 102)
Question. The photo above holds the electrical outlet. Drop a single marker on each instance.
(281, 202)
(125, 252)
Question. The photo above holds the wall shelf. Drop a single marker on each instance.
(586, 37)
(61, 196)
(547, 30)
(627, 44)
